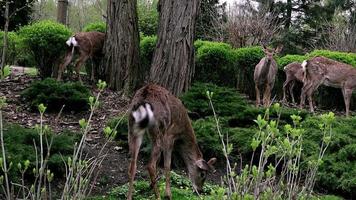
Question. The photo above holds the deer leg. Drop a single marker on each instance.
(134, 146)
(291, 87)
(79, 63)
(67, 60)
(258, 100)
(267, 96)
(305, 88)
(285, 84)
(347, 97)
(151, 168)
(167, 153)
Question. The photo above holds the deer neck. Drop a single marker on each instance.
(190, 153)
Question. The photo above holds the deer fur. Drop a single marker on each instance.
(294, 72)
(265, 75)
(156, 111)
(88, 45)
(324, 71)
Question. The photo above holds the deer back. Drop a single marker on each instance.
(90, 42)
(294, 70)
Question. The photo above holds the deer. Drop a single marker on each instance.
(265, 74)
(294, 72)
(156, 111)
(324, 71)
(88, 45)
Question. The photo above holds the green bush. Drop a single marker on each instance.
(54, 94)
(287, 59)
(97, 26)
(247, 59)
(120, 122)
(46, 42)
(348, 58)
(337, 172)
(11, 56)
(147, 18)
(147, 48)
(215, 63)
(19, 144)
(227, 101)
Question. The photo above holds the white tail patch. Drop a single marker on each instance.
(143, 112)
(304, 65)
(72, 41)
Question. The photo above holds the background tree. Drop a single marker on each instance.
(173, 61)
(20, 10)
(121, 62)
(62, 11)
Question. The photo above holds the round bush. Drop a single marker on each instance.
(96, 26)
(46, 41)
(56, 94)
(215, 63)
(147, 48)
(287, 59)
(246, 60)
(348, 58)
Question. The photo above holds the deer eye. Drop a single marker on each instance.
(203, 174)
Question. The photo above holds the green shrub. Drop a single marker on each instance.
(227, 101)
(147, 48)
(337, 172)
(11, 56)
(348, 58)
(287, 59)
(97, 26)
(247, 59)
(215, 64)
(120, 122)
(19, 143)
(54, 94)
(46, 42)
(147, 18)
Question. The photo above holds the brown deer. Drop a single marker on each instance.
(163, 116)
(88, 45)
(294, 72)
(324, 71)
(265, 75)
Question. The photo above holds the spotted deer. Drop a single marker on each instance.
(88, 45)
(156, 111)
(324, 71)
(265, 75)
(294, 72)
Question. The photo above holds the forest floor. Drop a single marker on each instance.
(113, 170)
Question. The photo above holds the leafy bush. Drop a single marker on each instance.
(337, 172)
(120, 122)
(215, 63)
(147, 48)
(11, 47)
(287, 59)
(246, 60)
(97, 26)
(46, 42)
(348, 58)
(147, 18)
(19, 143)
(54, 94)
(227, 101)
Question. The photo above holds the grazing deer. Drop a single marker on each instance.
(88, 44)
(294, 72)
(320, 70)
(265, 75)
(163, 116)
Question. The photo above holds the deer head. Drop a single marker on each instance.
(270, 52)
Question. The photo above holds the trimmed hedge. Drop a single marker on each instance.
(96, 26)
(348, 58)
(46, 42)
(54, 94)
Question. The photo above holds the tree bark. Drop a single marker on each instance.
(289, 14)
(62, 11)
(121, 62)
(5, 40)
(173, 61)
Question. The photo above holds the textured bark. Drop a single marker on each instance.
(173, 62)
(62, 11)
(121, 61)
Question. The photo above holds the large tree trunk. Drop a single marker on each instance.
(173, 62)
(62, 11)
(121, 60)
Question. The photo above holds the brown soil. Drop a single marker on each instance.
(113, 171)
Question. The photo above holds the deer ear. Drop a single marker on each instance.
(202, 164)
(211, 163)
(278, 49)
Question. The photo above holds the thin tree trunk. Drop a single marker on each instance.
(121, 62)
(289, 14)
(173, 61)
(62, 11)
(6, 30)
